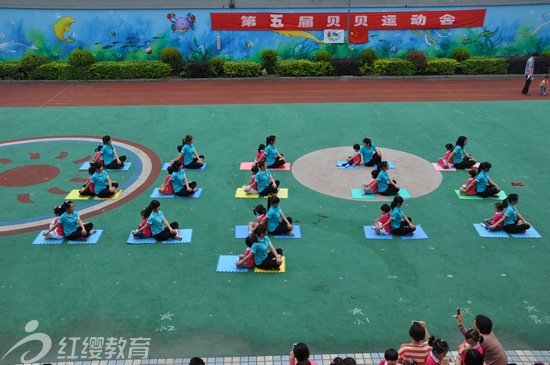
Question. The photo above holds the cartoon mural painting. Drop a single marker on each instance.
(61, 27)
(298, 34)
(182, 24)
(429, 39)
(14, 47)
(546, 17)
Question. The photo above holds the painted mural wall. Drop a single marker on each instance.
(142, 34)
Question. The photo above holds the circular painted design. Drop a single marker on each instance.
(144, 171)
(25, 176)
(317, 170)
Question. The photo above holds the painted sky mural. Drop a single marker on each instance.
(117, 35)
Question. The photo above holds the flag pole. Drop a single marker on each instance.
(347, 45)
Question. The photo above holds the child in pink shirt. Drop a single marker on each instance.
(250, 262)
(260, 211)
(470, 187)
(372, 186)
(166, 187)
(499, 212)
(260, 156)
(145, 232)
(442, 161)
(390, 357)
(251, 187)
(57, 233)
(379, 226)
(354, 160)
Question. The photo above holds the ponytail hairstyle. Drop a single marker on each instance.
(99, 148)
(438, 346)
(367, 141)
(259, 230)
(152, 206)
(511, 199)
(187, 140)
(472, 173)
(269, 140)
(274, 200)
(381, 165)
(145, 212)
(473, 335)
(259, 210)
(97, 165)
(58, 210)
(255, 169)
(249, 240)
(460, 141)
(301, 353)
(66, 205)
(483, 166)
(261, 147)
(449, 146)
(106, 139)
(170, 169)
(91, 169)
(398, 200)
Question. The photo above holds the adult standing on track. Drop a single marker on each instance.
(529, 73)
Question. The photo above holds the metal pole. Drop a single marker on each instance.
(347, 45)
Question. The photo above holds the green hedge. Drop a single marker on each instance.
(391, 67)
(484, 66)
(441, 66)
(10, 71)
(129, 70)
(241, 69)
(300, 68)
(59, 71)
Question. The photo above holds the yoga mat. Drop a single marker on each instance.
(370, 234)
(241, 231)
(75, 195)
(348, 167)
(282, 269)
(139, 241)
(240, 193)
(248, 166)
(530, 233)
(295, 229)
(114, 197)
(185, 235)
(195, 195)
(439, 168)
(226, 263)
(94, 238)
(501, 196)
(390, 165)
(418, 234)
(41, 240)
(480, 229)
(404, 193)
(358, 194)
(158, 195)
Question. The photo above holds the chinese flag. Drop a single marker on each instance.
(359, 35)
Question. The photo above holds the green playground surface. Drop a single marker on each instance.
(341, 293)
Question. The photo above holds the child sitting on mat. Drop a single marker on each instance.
(251, 187)
(57, 233)
(88, 188)
(266, 257)
(399, 222)
(372, 186)
(442, 161)
(260, 156)
(145, 232)
(354, 160)
(499, 212)
(98, 157)
(379, 226)
(470, 187)
(260, 211)
(249, 263)
(166, 187)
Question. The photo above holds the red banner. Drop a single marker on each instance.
(359, 22)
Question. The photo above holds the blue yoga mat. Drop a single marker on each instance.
(295, 229)
(94, 238)
(370, 234)
(419, 234)
(185, 235)
(530, 233)
(348, 167)
(489, 234)
(226, 263)
(41, 240)
(241, 231)
(139, 241)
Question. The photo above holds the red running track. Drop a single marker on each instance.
(264, 91)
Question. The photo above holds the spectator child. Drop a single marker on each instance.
(390, 357)
(299, 355)
(470, 187)
(443, 161)
(144, 230)
(417, 350)
(354, 160)
(473, 340)
(379, 224)
(166, 188)
(499, 212)
(493, 352)
(544, 84)
(437, 355)
(56, 233)
(372, 186)
(196, 361)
